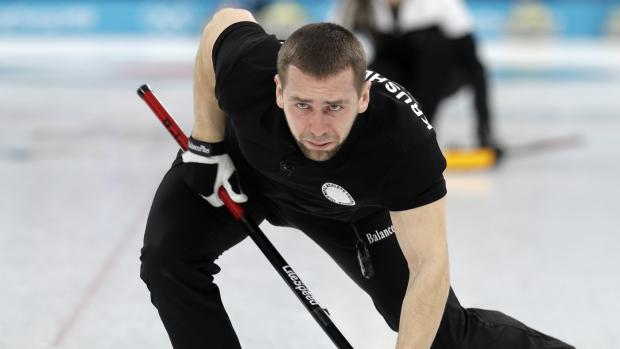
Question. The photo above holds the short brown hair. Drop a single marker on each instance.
(322, 50)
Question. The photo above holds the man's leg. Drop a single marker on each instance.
(393, 59)
(184, 235)
(431, 69)
(459, 328)
(468, 63)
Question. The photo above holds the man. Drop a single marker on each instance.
(342, 154)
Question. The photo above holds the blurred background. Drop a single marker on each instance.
(81, 157)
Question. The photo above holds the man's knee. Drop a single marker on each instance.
(164, 266)
(155, 264)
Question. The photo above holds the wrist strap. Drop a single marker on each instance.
(205, 148)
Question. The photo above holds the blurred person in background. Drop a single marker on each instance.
(428, 46)
(279, 17)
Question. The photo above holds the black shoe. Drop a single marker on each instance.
(490, 142)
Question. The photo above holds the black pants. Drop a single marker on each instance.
(185, 235)
(432, 67)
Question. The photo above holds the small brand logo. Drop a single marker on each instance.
(201, 148)
(379, 235)
(299, 286)
(337, 194)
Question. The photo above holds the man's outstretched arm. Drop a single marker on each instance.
(209, 120)
(421, 234)
(207, 166)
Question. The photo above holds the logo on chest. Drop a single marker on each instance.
(337, 194)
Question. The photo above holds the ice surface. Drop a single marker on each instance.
(81, 156)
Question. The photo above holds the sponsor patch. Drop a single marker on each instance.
(337, 194)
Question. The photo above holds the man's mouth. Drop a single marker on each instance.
(318, 145)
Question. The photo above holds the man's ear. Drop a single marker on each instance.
(364, 97)
(279, 92)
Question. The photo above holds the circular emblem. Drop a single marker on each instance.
(335, 193)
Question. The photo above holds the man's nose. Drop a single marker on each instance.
(318, 124)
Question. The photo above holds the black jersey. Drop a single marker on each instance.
(390, 158)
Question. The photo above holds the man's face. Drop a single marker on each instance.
(320, 112)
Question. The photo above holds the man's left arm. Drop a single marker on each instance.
(421, 234)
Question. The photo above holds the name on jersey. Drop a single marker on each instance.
(379, 235)
(398, 92)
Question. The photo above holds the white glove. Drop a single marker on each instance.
(209, 168)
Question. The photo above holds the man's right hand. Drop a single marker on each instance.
(211, 169)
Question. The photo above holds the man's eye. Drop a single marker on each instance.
(334, 107)
(302, 106)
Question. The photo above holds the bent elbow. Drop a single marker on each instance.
(227, 16)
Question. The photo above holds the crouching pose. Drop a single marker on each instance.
(320, 144)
